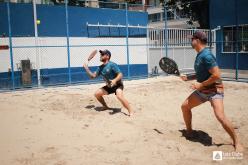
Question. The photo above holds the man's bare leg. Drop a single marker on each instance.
(191, 102)
(99, 96)
(121, 98)
(218, 107)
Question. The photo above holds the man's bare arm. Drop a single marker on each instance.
(89, 73)
(215, 75)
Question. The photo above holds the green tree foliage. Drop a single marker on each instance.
(196, 10)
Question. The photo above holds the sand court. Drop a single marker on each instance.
(63, 125)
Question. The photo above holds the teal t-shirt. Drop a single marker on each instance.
(108, 71)
(204, 61)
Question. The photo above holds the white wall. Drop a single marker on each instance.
(54, 52)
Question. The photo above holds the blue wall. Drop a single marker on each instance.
(228, 60)
(21, 20)
(53, 21)
(223, 13)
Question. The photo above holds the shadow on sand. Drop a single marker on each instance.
(201, 137)
(99, 109)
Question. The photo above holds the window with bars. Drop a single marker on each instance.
(231, 38)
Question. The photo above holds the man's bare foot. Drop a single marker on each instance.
(239, 147)
(130, 113)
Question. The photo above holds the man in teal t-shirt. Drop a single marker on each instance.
(113, 78)
(208, 87)
(108, 71)
(204, 62)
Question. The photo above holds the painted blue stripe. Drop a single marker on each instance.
(57, 76)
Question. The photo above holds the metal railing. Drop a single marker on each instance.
(175, 37)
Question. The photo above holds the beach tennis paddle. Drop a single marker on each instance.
(92, 55)
(169, 66)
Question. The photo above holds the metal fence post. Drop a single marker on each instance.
(237, 40)
(127, 45)
(38, 61)
(68, 41)
(10, 48)
(165, 30)
(147, 49)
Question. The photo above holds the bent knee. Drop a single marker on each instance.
(98, 94)
(185, 106)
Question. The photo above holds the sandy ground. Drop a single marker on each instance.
(63, 126)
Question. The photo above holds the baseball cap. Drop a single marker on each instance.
(200, 35)
(105, 52)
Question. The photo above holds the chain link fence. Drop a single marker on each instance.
(49, 50)
(54, 55)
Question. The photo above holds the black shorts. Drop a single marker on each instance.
(113, 89)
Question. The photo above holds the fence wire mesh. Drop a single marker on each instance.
(56, 57)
